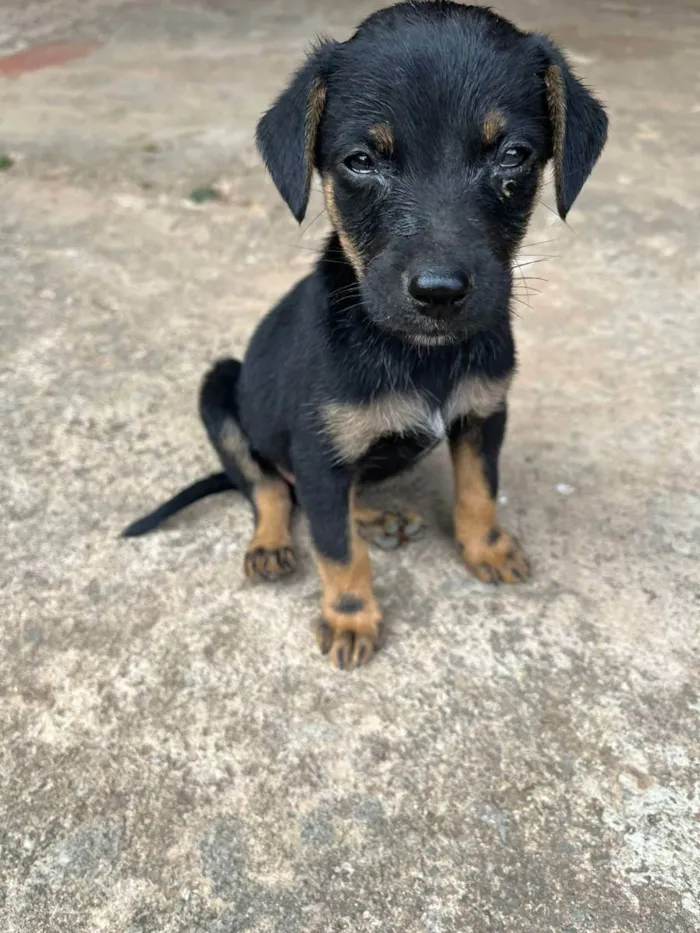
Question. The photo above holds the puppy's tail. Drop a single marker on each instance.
(217, 482)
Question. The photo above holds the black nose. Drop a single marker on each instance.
(443, 289)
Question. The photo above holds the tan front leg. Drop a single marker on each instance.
(350, 612)
(490, 552)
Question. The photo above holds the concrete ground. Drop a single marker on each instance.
(175, 755)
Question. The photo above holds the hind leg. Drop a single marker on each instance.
(387, 529)
(270, 554)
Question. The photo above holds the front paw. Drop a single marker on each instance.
(346, 650)
(269, 564)
(349, 630)
(497, 557)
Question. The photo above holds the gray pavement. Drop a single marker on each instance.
(175, 756)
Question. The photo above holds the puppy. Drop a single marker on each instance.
(430, 129)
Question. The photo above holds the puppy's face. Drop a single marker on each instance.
(432, 128)
(432, 146)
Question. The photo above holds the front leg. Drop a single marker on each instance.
(490, 552)
(351, 617)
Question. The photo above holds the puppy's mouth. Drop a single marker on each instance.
(434, 340)
(435, 334)
(422, 332)
(427, 332)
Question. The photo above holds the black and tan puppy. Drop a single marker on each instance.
(430, 129)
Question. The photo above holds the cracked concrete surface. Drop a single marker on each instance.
(174, 754)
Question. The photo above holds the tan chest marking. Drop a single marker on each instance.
(478, 396)
(354, 428)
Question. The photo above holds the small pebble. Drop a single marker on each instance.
(564, 489)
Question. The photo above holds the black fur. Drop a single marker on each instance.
(439, 199)
(209, 486)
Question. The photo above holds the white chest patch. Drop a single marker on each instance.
(436, 425)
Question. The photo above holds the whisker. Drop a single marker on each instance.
(328, 259)
(556, 214)
(344, 292)
(541, 242)
(310, 225)
(533, 262)
(550, 209)
(532, 278)
(528, 290)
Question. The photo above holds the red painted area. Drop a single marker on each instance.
(44, 56)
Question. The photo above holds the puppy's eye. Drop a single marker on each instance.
(514, 157)
(360, 163)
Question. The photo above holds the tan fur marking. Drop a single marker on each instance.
(476, 395)
(475, 509)
(289, 477)
(494, 124)
(347, 582)
(314, 112)
(387, 529)
(366, 515)
(382, 134)
(349, 247)
(270, 554)
(234, 444)
(354, 428)
(556, 100)
(492, 555)
(273, 504)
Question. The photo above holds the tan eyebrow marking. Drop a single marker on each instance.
(382, 134)
(494, 123)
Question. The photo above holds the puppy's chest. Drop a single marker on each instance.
(354, 428)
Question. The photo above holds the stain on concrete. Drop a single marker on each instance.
(43, 56)
(88, 852)
(223, 861)
(317, 828)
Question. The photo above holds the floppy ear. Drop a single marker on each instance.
(287, 133)
(579, 126)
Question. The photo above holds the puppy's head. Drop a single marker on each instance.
(430, 129)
